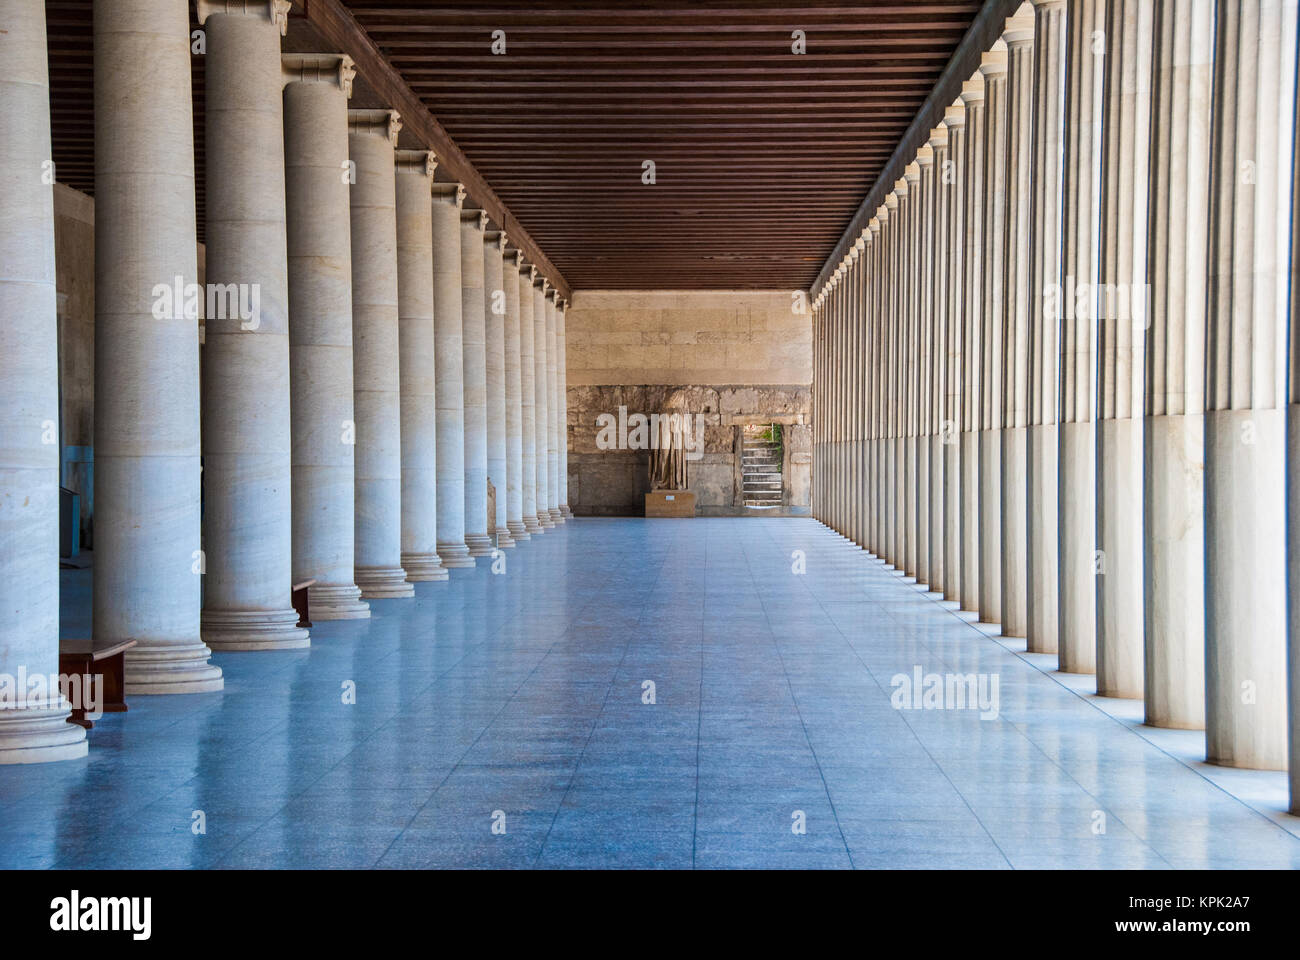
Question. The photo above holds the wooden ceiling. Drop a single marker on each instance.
(761, 156)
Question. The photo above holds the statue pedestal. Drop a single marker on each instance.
(670, 503)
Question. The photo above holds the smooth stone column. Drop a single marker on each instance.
(1017, 256)
(449, 374)
(514, 399)
(1173, 433)
(935, 383)
(972, 177)
(1080, 216)
(542, 405)
(148, 562)
(33, 723)
(247, 436)
(317, 87)
(416, 344)
(993, 66)
(494, 244)
(1246, 398)
(552, 415)
(1120, 334)
(473, 224)
(376, 356)
(528, 396)
(1042, 451)
(562, 397)
(953, 189)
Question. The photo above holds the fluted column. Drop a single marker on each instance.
(514, 399)
(419, 405)
(972, 176)
(317, 87)
(449, 374)
(902, 327)
(562, 398)
(376, 356)
(247, 446)
(552, 414)
(1174, 429)
(494, 251)
(33, 723)
(541, 393)
(875, 320)
(920, 363)
(528, 395)
(473, 224)
(1122, 315)
(953, 189)
(1080, 215)
(1246, 391)
(935, 383)
(1042, 334)
(894, 223)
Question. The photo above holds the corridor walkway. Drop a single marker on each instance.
(517, 700)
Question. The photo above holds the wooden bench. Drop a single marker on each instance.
(80, 656)
(300, 602)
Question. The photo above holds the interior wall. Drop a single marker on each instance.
(732, 356)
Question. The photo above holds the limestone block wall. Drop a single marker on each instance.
(734, 357)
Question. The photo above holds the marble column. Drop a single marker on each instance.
(903, 465)
(473, 224)
(993, 65)
(552, 414)
(1042, 334)
(317, 87)
(972, 177)
(875, 319)
(1246, 389)
(416, 343)
(562, 398)
(1293, 503)
(33, 721)
(494, 251)
(1014, 324)
(449, 374)
(1173, 432)
(541, 394)
(514, 260)
(953, 187)
(528, 396)
(247, 436)
(147, 583)
(1080, 215)
(935, 383)
(923, 206)
(376, 356)
(1122, 316)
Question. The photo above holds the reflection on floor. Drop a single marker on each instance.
(519, 702)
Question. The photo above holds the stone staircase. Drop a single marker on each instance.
(761, 473)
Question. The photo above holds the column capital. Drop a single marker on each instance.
(883, 211)
(546, 285)
(1019, 29)
(336, 68)
(924, 157)
(532, 275)
(954, 116)
(1049, 4)
(993, 63)
(383, 123)
(900, 187)
(874, 226)
(449, 193)
(859, 245)
(415, 161)
(938, 137)
(972, 90)
(275, 11)
(518, 258)
(496, 238)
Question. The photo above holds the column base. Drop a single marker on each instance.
(253, 630)
(556, 517)
(533, 525)
(40, 734)
(337, 601)
(517, 530)
(545, 521)
(504, 540)
(153, 667)
(564, 509)
(455, 556)
(479, 544)
(423, 567)
(383, 583)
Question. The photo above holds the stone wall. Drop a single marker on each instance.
(734, 357)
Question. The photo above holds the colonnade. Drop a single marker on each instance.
(1057, 378)
(374, 354)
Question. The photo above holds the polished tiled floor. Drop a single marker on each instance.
(517, 699)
